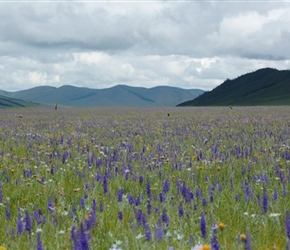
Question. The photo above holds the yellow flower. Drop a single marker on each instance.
(3, 248)
(12, 171)
(221, 226)
(218, 168)
(243, 236)
(205, 247)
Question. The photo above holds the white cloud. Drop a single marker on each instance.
(101, 44)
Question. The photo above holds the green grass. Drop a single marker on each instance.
(158, 148)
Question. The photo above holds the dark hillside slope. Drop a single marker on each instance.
(7, 102)
(262, 87)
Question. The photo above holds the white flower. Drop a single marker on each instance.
(180, 236)
(64, 213)
(197, 247)
(61, 232)
(38, 230)
(274, 215)
(114, 247)
(139, 236)
(168, 234)
(118, 242)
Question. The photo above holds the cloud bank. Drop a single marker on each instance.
(101, 44)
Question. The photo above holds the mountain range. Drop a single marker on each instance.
(120, 95)
(265, 86)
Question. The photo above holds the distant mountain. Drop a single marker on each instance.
(263, 87)
(7, 102)
(119, 95)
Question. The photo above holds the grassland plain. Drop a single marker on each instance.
(165, 178)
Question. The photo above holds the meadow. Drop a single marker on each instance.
(165, 178)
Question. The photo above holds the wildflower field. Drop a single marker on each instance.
(165, 178)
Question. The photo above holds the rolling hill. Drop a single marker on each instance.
(263, 87)
(7, 102)
(119, 95)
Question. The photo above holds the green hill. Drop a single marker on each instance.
(119, 95)
(263, 87)
(7, 102)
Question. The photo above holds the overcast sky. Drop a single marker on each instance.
(188, 44)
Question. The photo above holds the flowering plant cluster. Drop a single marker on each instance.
(104, 178)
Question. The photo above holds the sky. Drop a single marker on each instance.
(100, 44)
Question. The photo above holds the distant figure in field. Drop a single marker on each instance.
(231, 107)
(168, 115)
(55, 107)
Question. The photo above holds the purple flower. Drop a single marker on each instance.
(248, 241)
(203, 225)
(191, 239)
(211, 196)
(275, 195)
(28, 224)
(120, 194)
(101, 207)
(8, 213)
(180, 210)
(204, 202)
(73, 211)
(159, 233)
(120, 215)
(39, 243)
(265, 202)
(1, 192)
(73, 233)
(64, 156)
(214, 241)
(165, 217)
(149, 207)
(148, 190)
(148, 234)
(19, 224)
(105, 185)
(131, 199)
(50, 205)
(141, 179)
(82, 202)
(81, 241)
(91, 221)
(139, 216)
(166, 186)
(137, 201)
(247, 193)
(287, 225)
(162, 197)
(237, 197)
(94, 205)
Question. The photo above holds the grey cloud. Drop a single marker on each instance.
(186, 44)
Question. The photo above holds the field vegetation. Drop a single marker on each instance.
(125, 178)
